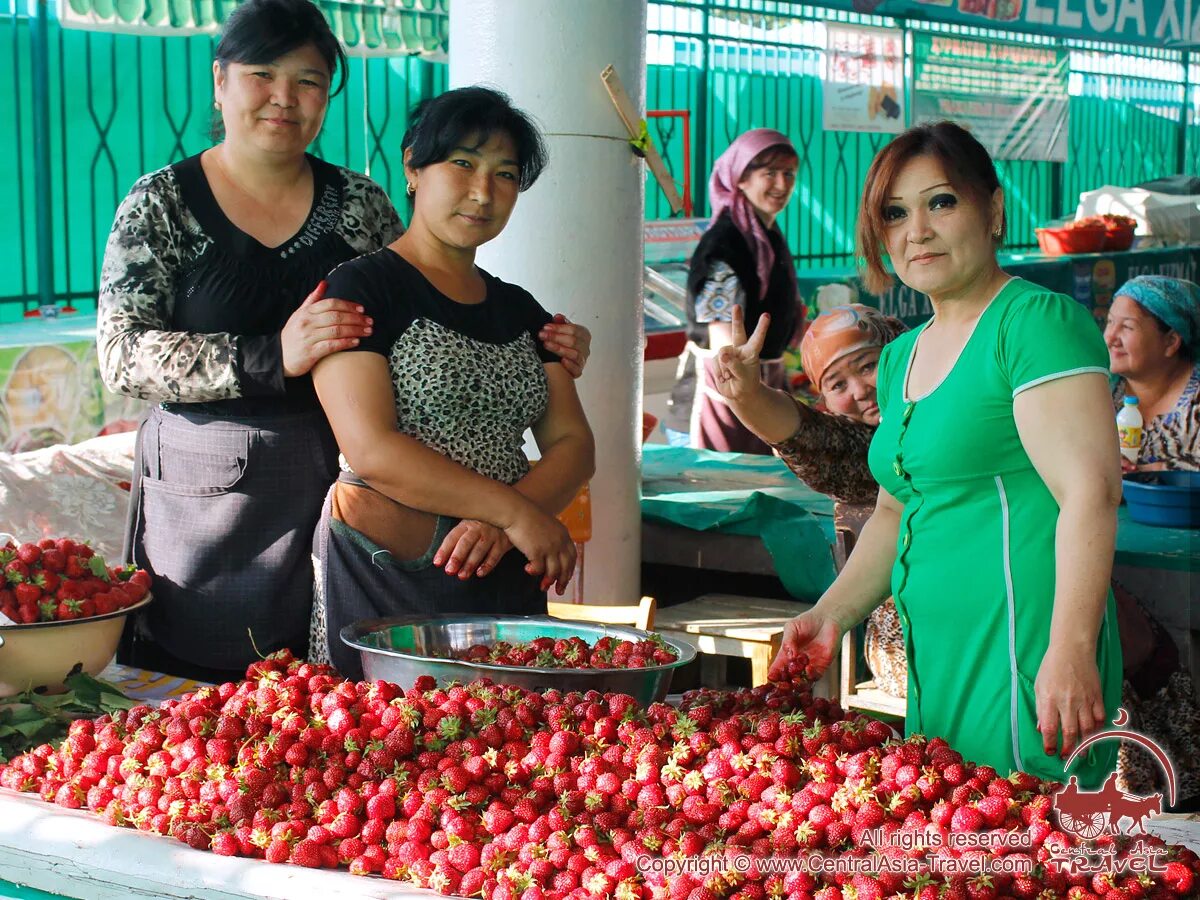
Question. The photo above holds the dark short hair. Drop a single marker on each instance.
(966, 162)
(438, 125)
(260, 31)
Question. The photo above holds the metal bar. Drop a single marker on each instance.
(687, 150)
(1181, 134)
(700, 164)
(65, 187)
(43, 189)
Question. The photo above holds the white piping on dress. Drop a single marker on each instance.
(1014, 684)
(1057, 375)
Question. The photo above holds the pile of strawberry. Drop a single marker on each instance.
(480, 790)
(572, 653)
(1108, 220)
(55, 580)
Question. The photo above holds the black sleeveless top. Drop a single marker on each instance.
(243, 287)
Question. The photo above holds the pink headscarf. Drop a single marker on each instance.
(723, 193)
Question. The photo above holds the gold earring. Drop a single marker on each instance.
(410, 190)
(217, 105)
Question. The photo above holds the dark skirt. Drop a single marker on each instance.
(356, 580)
(222, 515)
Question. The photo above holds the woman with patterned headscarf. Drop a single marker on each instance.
(1153, 337)
(742, 262)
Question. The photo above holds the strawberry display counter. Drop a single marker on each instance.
(744, 749)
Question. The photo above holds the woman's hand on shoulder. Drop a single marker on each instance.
(737, 371)
(472, 548)
(321, 326)
(570, 341)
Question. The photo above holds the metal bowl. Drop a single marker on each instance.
(398, 650)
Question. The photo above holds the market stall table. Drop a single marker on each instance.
(749, 514)
(1091, 278)
(71, 853)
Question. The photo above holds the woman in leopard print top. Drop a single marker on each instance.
(431, 410)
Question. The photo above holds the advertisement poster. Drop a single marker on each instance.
(864, 79)
(1012, 97)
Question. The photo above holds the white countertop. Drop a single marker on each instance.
(73, 853)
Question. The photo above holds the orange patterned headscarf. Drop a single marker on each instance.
(841, 331)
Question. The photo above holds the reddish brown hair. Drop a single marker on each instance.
(967, 164)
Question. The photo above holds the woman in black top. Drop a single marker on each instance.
(436, 490)
(741, 261)
(200, 311)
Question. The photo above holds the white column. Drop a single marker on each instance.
(575, 238)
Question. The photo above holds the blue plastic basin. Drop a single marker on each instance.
(1167, 499)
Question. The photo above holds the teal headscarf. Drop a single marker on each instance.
(1174, 301)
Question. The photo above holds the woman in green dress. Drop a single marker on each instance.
(999, 479)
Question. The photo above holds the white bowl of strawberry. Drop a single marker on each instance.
(62, 609)
(533, 652)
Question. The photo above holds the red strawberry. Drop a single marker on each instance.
(306, 853)
(27, 592)
(53, 560)
(1179, 878)
(993, 809)
(966, 818)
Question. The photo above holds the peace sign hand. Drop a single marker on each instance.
(736, 365)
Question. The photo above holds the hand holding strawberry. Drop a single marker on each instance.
(812, 637)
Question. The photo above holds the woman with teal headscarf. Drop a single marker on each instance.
(1153, 337)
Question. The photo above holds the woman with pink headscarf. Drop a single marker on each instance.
(742, 261)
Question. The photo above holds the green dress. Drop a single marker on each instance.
(975, 562)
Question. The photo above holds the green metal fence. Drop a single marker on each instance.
(741, 64)
(120, 106)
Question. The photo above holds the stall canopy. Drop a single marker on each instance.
(421, 26)
(1174, 24)
(387, 27)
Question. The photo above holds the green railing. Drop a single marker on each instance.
(1132, 117)
(120, 106)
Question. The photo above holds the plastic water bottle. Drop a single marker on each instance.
(1129, 428)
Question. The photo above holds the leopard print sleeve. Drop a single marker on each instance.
(829, 454)
(369, 220)
(153, 239)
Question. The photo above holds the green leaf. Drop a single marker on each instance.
(98, 568)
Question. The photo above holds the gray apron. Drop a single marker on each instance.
(222, 513)
(356, 580)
